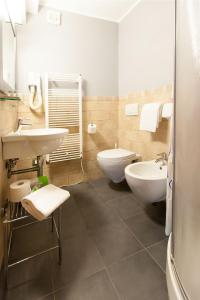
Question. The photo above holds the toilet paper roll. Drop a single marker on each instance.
(92, 128)
(19, 189)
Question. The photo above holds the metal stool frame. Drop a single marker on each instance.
(14, 213)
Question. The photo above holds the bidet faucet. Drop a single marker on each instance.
(23, 122)
(162, 157)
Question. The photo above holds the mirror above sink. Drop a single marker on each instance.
(7, 53)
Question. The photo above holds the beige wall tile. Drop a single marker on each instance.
(8, 122)
(145, 143)
(101, 110)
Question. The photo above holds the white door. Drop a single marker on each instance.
(186, 206)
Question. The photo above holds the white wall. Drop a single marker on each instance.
(146, 45)
(135, 54)
(81, 44)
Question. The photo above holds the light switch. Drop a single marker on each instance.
(132, 109)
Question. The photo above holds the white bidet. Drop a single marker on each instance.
(147, 180)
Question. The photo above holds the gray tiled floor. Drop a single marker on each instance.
(114, 247)
(96, 287)
(159, 253)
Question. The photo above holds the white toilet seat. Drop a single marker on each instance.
(113, 162)
(117, 154)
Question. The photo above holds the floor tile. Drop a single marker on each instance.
(96, 287)
(92, 206)
(73, 225)
(98, 214)
(31, 290)
(69, 206)
(86, 197)
(125, 206)
(159, 252)
(101, 182)
(80, 259)
(105, 182)
(121, 187)
(139, 278)
(30, 280)
(93, 210)
(146, 229)
(72, 221)
(85, 200)
(34, 238)
(2, 283)
(48, 297)
(80, 190)
(114, 242)
(110, 190)
(156, 211)
(82, 186)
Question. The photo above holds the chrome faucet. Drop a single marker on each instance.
(162, 157)
(23, 122)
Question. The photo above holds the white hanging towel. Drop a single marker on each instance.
(167, 110)
(150, 117)
(168, 223)
(43, 202)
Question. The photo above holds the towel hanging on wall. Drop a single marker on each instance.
(167, 110)
(150, 116)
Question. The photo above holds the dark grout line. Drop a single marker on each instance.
(68, 282)
(122, 220)
(107, 272)
(144, 247)
(44, 296)
(113, 285)
(154, 244)
(137, 214)
(105, 268)
(53, 286)
(126, 257)
(155, 260)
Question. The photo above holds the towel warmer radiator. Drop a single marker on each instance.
(63, 108)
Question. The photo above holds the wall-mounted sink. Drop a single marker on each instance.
(31, 143)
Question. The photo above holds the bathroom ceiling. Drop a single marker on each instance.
(112, 10)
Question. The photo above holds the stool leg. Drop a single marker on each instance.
(59, 236)
(5, 255)
(52, 223)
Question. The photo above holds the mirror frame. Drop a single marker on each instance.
(5, 88)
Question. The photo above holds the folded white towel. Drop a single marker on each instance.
(43, 202)
(150, 117)
(167, 110)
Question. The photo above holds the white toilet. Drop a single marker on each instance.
(113, 162)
